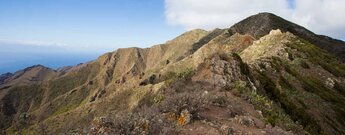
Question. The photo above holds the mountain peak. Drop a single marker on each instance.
(35, 67)
(261, 24)
(30, 75)
(266, 16)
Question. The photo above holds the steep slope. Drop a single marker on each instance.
(306, 81)
(21, 91)
(260, 24)
(256, 81)
(25, 103)
(28, 76)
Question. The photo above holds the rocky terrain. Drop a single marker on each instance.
(264, 75)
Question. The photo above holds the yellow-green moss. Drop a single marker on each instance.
(64, 109)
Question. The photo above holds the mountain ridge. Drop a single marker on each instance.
(237, 80)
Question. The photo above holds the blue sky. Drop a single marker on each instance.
(292, 4)
(67, 32)
(107, 24)
(86, 28)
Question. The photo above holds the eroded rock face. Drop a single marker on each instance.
(221, 71)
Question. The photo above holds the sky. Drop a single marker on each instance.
(57, 33)
(320, 16)
(95, 24)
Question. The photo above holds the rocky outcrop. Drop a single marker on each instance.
(273, 44)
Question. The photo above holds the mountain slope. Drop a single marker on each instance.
(255, 81)
(298, 75)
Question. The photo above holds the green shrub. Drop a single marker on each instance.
(304, 64)
(315, 86)
(320, 57)
(186, 73)
(239, 86)
(287, 103)
(340, 87)
(171, 77)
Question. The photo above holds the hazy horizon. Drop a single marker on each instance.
(14, 57)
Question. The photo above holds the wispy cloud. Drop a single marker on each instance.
(320, 16)
(27, 46)
(30, 43)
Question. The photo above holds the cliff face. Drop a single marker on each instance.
(264, 75)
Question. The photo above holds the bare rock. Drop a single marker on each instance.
(185, 117)
(329, 82)
(245, 120)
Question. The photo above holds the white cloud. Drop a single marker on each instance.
(321, 16)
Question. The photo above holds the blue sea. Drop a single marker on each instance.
(15, 57)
